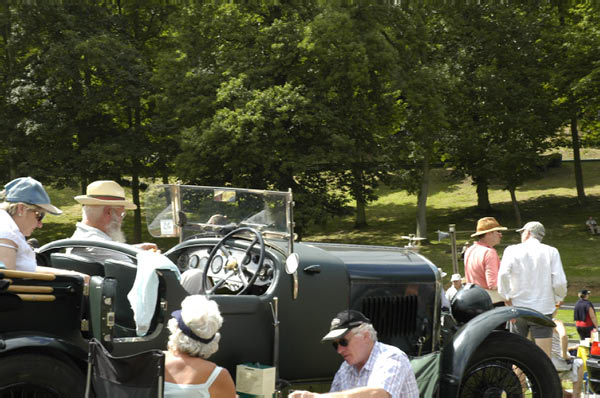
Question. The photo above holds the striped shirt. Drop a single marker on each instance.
(387, 368)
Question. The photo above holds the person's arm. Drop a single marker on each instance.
(504, 276)
(58, 271)
(360, 392)
(223, 387)
(491, 265)
(8, 253)
(559, 280)
(593, 316)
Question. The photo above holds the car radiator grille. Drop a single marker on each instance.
(392, 316)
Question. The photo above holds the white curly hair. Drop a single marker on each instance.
(203, 317)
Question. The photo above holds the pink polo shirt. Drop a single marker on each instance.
(481, 265)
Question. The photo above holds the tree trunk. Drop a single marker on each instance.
(483, 199)
(361, 215)
(361, 203)
(515, 203)
(422, 200)
(137, 220)
(577, 162)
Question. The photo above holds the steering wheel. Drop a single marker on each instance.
(232, 266)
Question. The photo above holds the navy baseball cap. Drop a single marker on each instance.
(343, 323)
(30, 191)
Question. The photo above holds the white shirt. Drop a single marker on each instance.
(85, 231)
(192, 390)
(9, 230)
(531, 275)
(451, 292)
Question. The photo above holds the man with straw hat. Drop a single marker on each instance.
(481, 259)
(103, 211)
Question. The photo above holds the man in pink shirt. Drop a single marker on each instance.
(481, 259)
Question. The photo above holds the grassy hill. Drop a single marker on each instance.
(550, 200)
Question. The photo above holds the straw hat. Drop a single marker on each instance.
(488, 224)
(105, 193)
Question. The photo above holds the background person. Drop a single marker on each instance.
(568, 367)
(481, 259)
(584, 315)
(370, 369)
(592, 225)
(103, 211)
(194, 338)
(25, 206)
(531, 275)
(456, 281)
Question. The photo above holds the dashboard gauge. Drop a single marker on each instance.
(193, 262)
(182, 261)
(217, 264)
(203, 262)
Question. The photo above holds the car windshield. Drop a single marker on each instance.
(188, 211)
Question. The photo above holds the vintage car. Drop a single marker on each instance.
(277, 297)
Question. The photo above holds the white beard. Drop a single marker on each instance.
(115, 232)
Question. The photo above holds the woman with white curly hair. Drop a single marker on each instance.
(194, 338)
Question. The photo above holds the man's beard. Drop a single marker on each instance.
(115, 232)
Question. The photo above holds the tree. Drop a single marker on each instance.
(502, 114)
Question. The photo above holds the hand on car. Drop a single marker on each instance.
(303, 394)
(148, 246)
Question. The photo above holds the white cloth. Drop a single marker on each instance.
(191, 390)
(144, 293)
(531, 275)
(25, 259)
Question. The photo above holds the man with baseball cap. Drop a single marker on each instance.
(531, 275)
(584, 315)
(104, 207)
(481, 259)
(370, 368)
(456, 286)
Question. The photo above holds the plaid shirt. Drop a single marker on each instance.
(387, 368)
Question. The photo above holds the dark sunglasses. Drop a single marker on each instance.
(38, 214)
(343, 342)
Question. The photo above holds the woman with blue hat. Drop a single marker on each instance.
(25, 205)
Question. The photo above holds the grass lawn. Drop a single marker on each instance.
(550, 200)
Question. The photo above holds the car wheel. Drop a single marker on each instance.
(508, 365)
(40, 376)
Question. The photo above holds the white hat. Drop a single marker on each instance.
(534, 227)
(455, 277)
(105, 193)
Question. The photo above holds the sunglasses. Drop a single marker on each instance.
(343, 342)
(38, 214)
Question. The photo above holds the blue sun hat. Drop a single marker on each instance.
(29, 190)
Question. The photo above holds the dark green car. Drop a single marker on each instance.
(277, 297)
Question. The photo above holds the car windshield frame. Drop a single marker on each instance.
(189, 211)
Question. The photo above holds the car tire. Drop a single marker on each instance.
(498, 365)
(27, 375)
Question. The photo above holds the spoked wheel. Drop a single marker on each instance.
(507, 365)
(29, 375)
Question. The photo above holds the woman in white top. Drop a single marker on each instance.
(194, 338)
(25, 205)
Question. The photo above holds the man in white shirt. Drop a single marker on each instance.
(531, 275)
(104, 207)
(456, 280)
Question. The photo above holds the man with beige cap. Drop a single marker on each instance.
(531, 275)
(481, 259)
(104, 207)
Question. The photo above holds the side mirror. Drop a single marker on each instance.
(291, 263)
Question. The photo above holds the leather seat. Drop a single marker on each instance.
(124, 274)
(73, 262)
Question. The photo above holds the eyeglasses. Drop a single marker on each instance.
(343, 342)
(121, 214)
